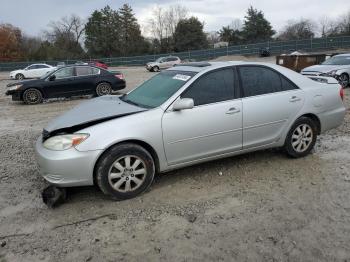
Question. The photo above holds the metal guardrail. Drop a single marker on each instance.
(276, 47)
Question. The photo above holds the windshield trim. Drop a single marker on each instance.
(124, 99)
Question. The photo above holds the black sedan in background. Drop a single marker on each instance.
(67, 81)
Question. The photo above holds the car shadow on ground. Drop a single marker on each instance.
(195, 172)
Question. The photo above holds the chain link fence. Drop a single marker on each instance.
(275, 47)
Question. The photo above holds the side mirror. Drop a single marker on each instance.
(183, 103)
(52, 78)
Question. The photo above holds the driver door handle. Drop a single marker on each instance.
(233, 110)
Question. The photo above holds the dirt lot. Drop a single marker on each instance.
(256, 207)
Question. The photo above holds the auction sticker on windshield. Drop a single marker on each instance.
(181, 77)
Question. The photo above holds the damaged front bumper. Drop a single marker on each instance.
(66, 168)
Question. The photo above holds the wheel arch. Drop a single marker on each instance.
(314, 118)
(102, 81)
(141, 143)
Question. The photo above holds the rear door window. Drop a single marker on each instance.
(213, 87)
(83, 70)
(258, 80)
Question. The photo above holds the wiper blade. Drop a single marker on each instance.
(132, 102)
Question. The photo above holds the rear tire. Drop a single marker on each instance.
(125, 171)
(32, 96)
(301, 137)
(19, 76)
(103, 89)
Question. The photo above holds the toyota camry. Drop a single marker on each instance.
(186, 115)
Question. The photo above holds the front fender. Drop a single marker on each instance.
(144, 126)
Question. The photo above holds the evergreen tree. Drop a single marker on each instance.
(131, 40)
(189, 35)
(102, 33)
(227, 34)
(256, 27)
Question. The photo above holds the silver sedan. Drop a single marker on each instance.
(185, 115)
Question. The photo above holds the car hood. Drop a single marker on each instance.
(324, 68)
(25, 82)
(92, 112)
(16, 71)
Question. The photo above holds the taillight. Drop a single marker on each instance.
(120, 76)
(341, 93)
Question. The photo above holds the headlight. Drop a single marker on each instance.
(14, 87)
(332, 73)
(64, 142)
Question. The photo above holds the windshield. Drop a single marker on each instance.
(158, 89)
(159, 60)
(47, 73)
(337, 60)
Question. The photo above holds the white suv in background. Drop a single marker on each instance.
(163, 63)
(32, 71)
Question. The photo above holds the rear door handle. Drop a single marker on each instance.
(294, 99)
(233, 110)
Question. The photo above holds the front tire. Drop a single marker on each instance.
(32, 96)
(125, 171)
(155, 69)
(301, 137)
(19, 76)
(103, 89)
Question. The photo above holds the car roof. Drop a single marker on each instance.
(201, 66)
(74, 65)
(299, 79)
(39, 64)
(348, 54)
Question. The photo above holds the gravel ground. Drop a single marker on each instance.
(261, 206)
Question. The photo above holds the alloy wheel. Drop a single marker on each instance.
(344, 80)
(32, 96)
(127, 173)
(302, 138)
(103, 89)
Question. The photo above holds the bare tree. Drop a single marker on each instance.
(344, 24)
(172, 17)
(157, 23)
(236, 24)
(164, 21)
(69, 27)
(213, 37)
(328, 27)
(302, 29)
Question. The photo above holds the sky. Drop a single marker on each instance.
(33, 16)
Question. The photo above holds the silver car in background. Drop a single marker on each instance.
(163, 63)
(337, 66)
(186, 115)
